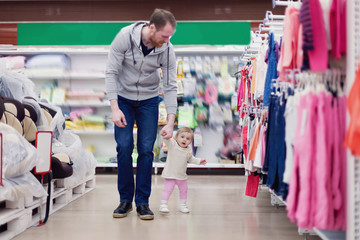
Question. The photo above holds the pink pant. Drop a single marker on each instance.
(169, 187)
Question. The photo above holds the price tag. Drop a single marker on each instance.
(44, 147)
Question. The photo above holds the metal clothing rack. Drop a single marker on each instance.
(272, 23)
(286, 3)
(353, 164)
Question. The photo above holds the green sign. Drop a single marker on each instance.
(187, 33)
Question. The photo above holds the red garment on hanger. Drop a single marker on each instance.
(244, 136)
(337, 28)
(352, 138)
(252, 185)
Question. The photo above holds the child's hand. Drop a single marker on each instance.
(203, 162)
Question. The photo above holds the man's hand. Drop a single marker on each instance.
(118, 116)
(167, 131)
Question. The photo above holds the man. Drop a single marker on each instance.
(132, 85)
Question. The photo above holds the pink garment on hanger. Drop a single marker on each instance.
(263, 145)
(289, 46)
(342, 119)
(299, 200)
(240, 94)
(343, 27)
(338, 28)
(340, 213)
(300, 52)
(322, 168)
(336, 168)
(253, 77)
(244, 137)
(292, 199)
(305, 151)
(261, 70)
(318, 57)
(330, 152)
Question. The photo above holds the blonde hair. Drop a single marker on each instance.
(185, 130)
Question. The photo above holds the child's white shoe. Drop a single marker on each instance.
(182, 206)
(164, 207)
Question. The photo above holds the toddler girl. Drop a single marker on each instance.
(179, 154)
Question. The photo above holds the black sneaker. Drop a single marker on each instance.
(144, 212)
(122, 210)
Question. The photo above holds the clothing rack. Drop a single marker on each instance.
(353, 164)
(274, 23)
(273, 20)
(270, 16)
(274, 29)
(286, 3)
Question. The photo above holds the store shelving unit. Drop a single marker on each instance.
(87, 72)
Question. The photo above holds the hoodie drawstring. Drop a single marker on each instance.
(168, 56)
(132, 50)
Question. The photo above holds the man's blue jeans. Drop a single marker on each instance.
(145, 114)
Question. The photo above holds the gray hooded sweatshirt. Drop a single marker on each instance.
(131, 75)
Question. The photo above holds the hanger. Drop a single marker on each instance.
(269, 15)
(287, 3)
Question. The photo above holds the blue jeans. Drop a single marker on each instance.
(145, 114)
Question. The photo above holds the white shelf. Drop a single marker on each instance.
(56, 49)
(208, 165)
(86, 75)
(104, 49)
(46, 77)
(85, 104)
(162, 165)
(68, 76)
(330, 235)
(210, 49)
(97, 132)
(113, 165)
(94, 132)
(106, 165)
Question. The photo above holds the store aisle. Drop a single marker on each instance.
(218, 205)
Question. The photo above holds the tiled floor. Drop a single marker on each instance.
(218, 205)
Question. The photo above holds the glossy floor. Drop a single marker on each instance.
(218, 205)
